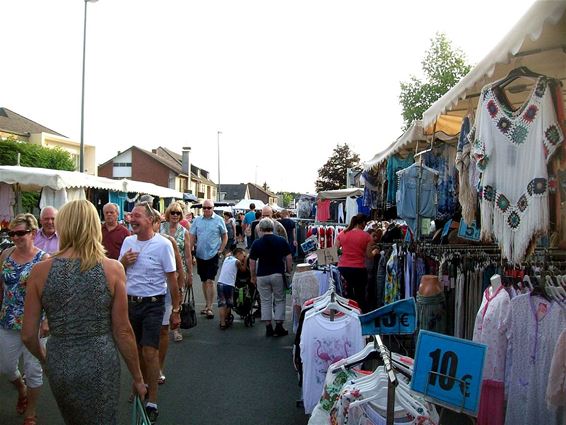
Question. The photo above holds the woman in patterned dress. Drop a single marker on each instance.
(16, 264)
(172, 227)
(84, 296)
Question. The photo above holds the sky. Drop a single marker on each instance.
(284, 81)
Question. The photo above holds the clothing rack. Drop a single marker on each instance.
(392, 381)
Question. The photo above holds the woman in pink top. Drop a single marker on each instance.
(352, 263)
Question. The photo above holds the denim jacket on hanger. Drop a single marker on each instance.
(408, 192)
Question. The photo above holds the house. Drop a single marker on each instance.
(162, 167)
(14, 125)
(234, 192)
(262, 194)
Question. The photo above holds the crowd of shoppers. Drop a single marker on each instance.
(117, 290)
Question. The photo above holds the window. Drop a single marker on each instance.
(122, 164)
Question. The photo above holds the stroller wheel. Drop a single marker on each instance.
(230, 319)
(247, 321)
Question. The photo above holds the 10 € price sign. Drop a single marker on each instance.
(449, 371)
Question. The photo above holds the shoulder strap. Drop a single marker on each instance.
(6, 253)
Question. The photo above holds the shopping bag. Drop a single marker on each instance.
(188, 313)
(139, 416)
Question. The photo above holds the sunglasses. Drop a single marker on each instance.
(176, 213)
(206, 208)
(148, 207)
(18, 233)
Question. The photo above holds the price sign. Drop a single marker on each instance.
(398, 318)
(449, 371)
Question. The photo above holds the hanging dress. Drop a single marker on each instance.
(512, 148)
(532, 339)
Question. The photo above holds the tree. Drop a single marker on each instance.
(33, 156)
(287, 198)
(332, 175)
(443, 66)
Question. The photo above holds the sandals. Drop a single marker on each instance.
(177, 335)
(204, 311)
(223, 326)
(161, 380)
(30, 420)
(22, 404)
(209, 314)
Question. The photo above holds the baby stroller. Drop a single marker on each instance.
(245, 298)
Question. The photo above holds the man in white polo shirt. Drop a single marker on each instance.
(149, 261)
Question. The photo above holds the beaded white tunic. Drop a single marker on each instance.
(512, 148)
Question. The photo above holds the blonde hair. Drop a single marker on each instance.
(78, 227)
(174, 206)
(27, 219)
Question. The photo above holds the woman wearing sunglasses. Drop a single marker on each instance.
(172, 227)
(16, 264)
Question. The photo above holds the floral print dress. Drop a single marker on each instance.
(15, 277)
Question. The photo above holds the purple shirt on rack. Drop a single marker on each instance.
(49, 244)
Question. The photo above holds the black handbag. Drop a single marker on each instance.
(188, 312)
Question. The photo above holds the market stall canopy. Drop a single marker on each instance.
(32, 179)
(189, 197)
(150, 189)
(340, 193)
(276, 207)
(446, 129)
(244, 204)
(537, 41)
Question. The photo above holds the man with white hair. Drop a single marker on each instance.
(279, 230)
(46, 238)
(113, 233)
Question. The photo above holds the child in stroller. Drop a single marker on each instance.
(245, 295)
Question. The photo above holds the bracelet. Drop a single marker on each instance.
(176, 310)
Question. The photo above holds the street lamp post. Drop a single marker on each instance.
(82, 148)
(218, 133)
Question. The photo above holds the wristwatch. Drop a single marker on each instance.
(176, 310)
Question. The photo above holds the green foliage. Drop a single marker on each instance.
(443, 66)
(287, 198)
(332, 175)
(33, 156)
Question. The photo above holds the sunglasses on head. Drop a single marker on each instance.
(206, 208)
(147, 206)
(18, 233)
(176, 213)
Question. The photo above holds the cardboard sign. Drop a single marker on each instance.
(449, 371)
(398, 318)
(327, 256)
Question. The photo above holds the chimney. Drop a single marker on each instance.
(187, 161)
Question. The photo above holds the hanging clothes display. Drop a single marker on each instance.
(417, 186)
(351, 208)
(556, 389)
(535, 325)
(395, 163)
(52, 198)
(491, 329)
(514, 205)
(468, 174)
(323, 210)
(7, 202)
(323, 342)
(391, 289)
(442, 158)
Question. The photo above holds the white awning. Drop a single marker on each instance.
(340, 193)
(244, 204)
(34, 179)
(536, 41)
(150, 189)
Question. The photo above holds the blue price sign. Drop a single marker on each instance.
(398, 318)
(449, 371)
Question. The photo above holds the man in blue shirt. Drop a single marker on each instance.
(247, 225)
(209, 235)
